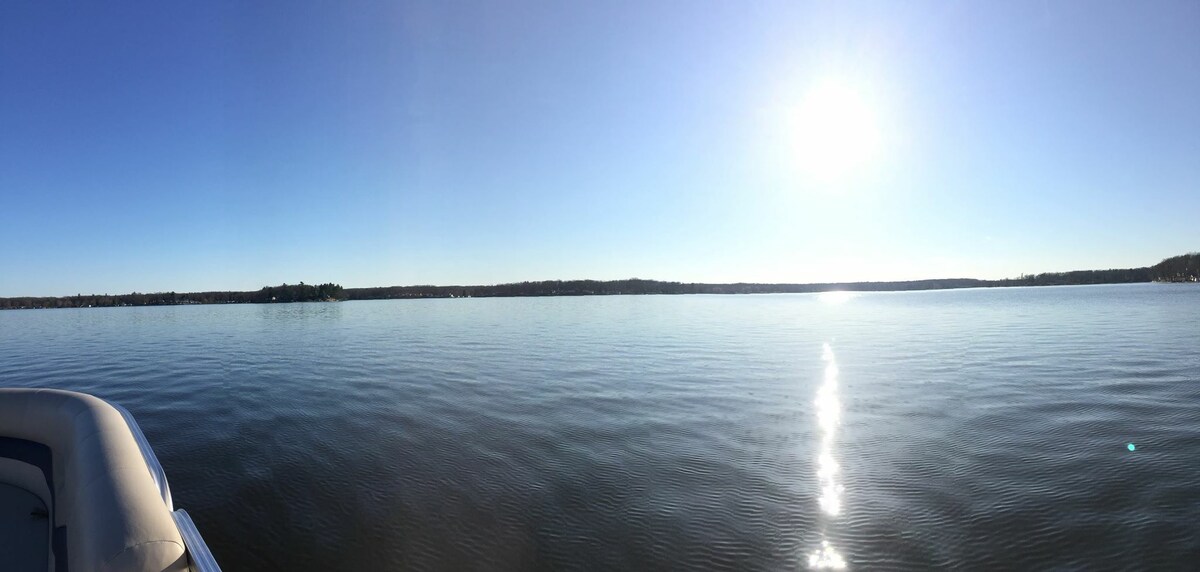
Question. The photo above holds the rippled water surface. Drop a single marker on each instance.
(947, 429)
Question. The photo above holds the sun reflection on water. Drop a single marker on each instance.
(829, 415)
(835, 296)
(826, 558)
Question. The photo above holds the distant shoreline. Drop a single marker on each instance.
(1183, 268)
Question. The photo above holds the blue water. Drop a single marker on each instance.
(963, 429)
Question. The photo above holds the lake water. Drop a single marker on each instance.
(943, 429)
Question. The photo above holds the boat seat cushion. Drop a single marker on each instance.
(102, 491)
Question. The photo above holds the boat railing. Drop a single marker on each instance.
(201, 559)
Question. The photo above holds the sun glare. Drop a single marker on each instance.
(835, 132)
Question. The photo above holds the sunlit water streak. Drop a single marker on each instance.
(829, 414)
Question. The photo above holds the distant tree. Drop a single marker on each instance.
(1182, 268)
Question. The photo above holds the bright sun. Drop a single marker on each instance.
(835, 132)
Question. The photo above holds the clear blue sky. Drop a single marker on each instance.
(210, 145)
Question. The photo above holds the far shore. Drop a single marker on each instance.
(1183, 268)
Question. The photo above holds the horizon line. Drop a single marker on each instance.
(984, 281)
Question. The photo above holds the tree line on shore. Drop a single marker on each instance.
(631, 286)
(268, 294)
(1183, 268)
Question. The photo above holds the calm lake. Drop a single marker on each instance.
(969, 429)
